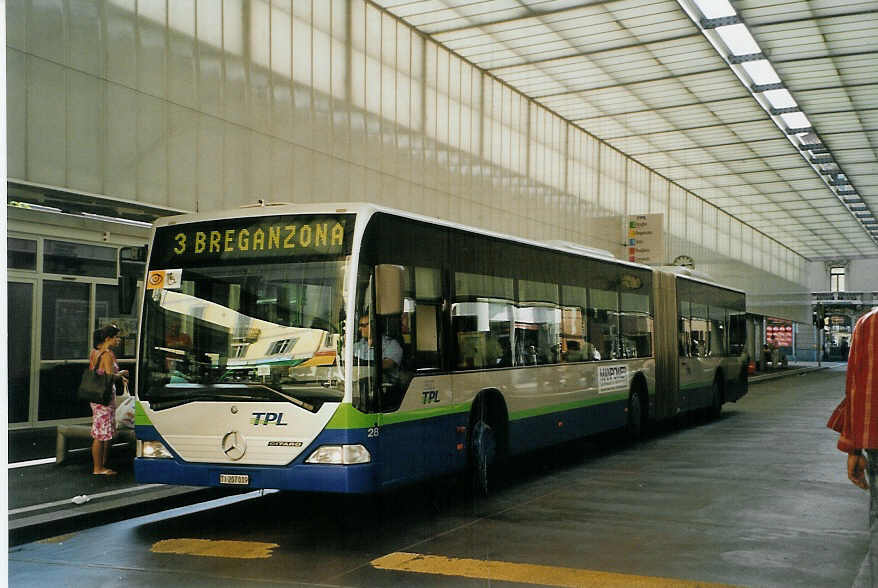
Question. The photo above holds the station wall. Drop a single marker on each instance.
(199, 105)
(861, 275)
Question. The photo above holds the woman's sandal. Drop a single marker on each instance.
(106, 472)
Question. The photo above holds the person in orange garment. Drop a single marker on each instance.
(856, 419)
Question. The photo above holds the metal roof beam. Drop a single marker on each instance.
(738, 59)
(723, 21)
(534, 14)
(596, 52)
(810, 19)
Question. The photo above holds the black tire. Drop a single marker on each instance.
(636, 416)
(716, 402)
(483, 456)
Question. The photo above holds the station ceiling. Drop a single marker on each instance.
(661, 81)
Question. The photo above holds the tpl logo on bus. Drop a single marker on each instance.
(268, 418)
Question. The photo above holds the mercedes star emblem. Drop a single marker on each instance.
(234, 445)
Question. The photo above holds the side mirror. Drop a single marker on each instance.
(389, 281)
(132, 267)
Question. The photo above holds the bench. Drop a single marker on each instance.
(66, 432)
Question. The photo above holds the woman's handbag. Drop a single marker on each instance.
(95, 387)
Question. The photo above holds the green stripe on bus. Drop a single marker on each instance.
(426, 413)
(348, 417)
(140, 417)
(544, 410)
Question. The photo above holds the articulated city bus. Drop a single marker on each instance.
(348, 348)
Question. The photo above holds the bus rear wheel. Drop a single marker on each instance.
(483, 455)
(635, 414)
(716, 402)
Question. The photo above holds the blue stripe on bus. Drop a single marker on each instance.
(402, 453)
(546, 430)
(350, 479)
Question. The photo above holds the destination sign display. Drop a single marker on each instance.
(244, 239)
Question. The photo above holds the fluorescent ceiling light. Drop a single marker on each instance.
(796, 120)
(761, 72)
(29, 206)
(779, 98)
(116, 219)
(738, 39)
(715, 8)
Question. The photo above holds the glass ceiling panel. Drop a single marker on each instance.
(642, 76)
(683, 58)
(747, 166)
(671, 140)
(731, 151)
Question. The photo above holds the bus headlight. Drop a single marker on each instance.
(340, 454)
(152, 449)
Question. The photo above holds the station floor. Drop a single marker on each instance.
(758, 497)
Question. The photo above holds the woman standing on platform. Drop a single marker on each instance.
(103, 426)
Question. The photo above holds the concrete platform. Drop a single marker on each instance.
(758, 497)
(41, 496)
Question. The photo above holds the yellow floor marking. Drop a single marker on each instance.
(58, 539)
(525, 573)
(208, 548)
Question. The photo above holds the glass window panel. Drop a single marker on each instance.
(107, 312)
(21, 254)
(737, 332)
(484, 333)
(483, 327)
(65, 333)
(574, 325)
(684, 327)
(18, 320)
(58, 384)
(635, 323)
(603, 326)
(428, 284)
(700, 332)
(485, 286)
(718, 331)
(537, 324)
(530, 291)
(420, 328)
(79, 259)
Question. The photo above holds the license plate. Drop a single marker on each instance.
(239, 479)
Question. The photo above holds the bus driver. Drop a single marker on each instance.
(391, 350)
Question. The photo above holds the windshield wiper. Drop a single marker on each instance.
(175, 394)
(292, 399)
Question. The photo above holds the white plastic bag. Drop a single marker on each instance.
(125, 411)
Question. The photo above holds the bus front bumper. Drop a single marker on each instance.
(344, 479)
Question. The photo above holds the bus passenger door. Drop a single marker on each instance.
(687, 363)
(702, 364)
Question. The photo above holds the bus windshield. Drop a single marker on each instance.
(265, 331)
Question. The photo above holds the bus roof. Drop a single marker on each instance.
(264, 208)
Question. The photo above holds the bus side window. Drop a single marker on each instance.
(700, 330)
(428, 324)
(685, 329)
(483, 321)
(537, 323)
(684, 337)
(718, 323)
(426, 318)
